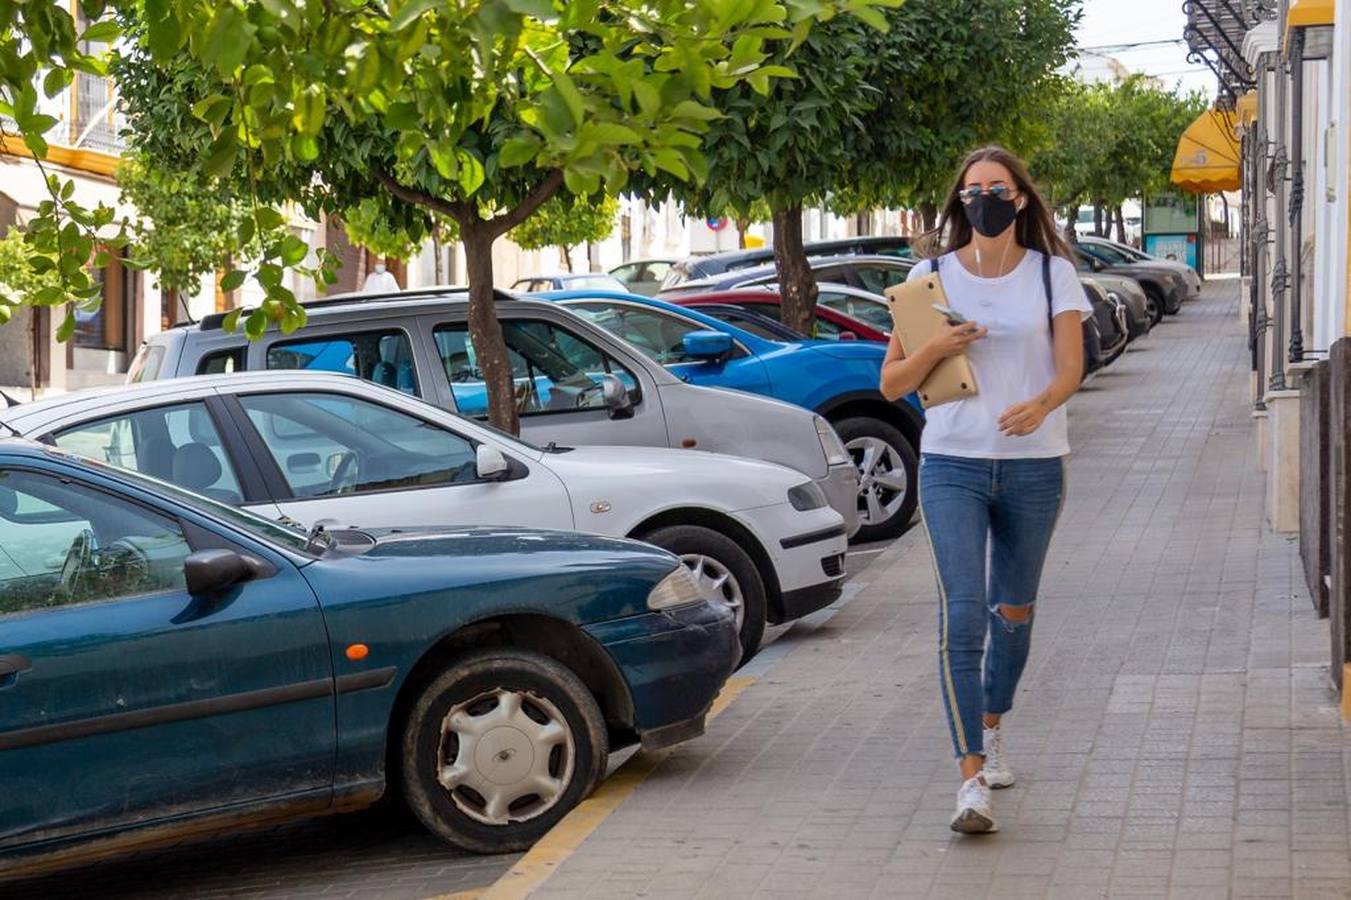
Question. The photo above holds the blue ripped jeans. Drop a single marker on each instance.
(977, 510)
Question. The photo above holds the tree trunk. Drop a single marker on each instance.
(863, 224)
(439, 260)
(797, 283)
(1097, 218)
(566, 252)
(1120, 225)
(1071, 217)
(485, 331)
(741, 226)
(928, 212)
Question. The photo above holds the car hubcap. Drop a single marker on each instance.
(882, 480)
(717, 582)
(505, 756)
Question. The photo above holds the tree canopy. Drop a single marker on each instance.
(565, 221)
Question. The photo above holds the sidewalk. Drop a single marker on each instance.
(1176, 734)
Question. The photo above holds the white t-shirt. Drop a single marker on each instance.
(1012, 364)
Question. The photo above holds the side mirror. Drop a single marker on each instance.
(212, 571)
(615, 396)
(489, 463)
(709, 346)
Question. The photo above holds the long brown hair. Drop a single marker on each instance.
(1034, 226)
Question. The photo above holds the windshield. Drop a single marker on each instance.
(262, 528)
(1108, 253)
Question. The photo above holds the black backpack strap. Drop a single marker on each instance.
(1046, 286)
(934, 263)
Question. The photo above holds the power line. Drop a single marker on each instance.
(1132, 46)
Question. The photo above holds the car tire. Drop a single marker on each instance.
(1155, 301)
(722, 566)
(538, 720)
(860, 435)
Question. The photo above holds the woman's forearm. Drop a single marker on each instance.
(901, 376)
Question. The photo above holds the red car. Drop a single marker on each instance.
(842, 313)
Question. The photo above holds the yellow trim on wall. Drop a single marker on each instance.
(84, 160)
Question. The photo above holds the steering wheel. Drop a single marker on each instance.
(79, 559)
(344, 479)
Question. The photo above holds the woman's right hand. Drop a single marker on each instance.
(952, 340)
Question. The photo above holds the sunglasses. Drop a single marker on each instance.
(998, 191)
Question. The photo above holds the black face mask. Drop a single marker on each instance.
(990, 215)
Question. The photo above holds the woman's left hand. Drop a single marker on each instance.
(1023, 418)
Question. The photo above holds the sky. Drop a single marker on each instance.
(1111, 23)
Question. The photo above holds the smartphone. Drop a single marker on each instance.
(947, 312)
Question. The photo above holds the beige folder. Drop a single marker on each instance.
(915, 321)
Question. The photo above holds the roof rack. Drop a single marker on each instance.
(214, 321)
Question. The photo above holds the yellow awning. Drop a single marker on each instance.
(1303, 13)
(1246, 108)
(1207, 157)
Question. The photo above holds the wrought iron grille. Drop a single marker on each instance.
(1214, 35)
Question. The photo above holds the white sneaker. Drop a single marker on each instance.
(974, 814)
(997, 772)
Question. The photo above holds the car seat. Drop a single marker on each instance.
(196, 467)
(383, 373)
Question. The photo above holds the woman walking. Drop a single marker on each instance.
(992, 475)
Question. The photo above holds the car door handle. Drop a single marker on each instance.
(10, 667)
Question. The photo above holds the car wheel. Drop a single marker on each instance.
(1154, 301)
(887, 473)
(499, 747)
(725, 572)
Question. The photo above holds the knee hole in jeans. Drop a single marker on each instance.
(1013, 615)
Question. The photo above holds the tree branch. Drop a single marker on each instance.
(541, 192)
(455, 210)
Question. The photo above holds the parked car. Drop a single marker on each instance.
(563, 281)
(576, 384)
(869, 273)
(1110, 315)
(1144, 312)
(1166, 287)
(330, 449)
(172, 665)
(842, 313)
(698, 268)
(642, 276)
(837, 380)
(1111, 251)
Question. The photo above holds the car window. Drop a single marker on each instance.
(64, 542)
(222, 362)
(875, 278)
(146, 365)
(178, 444)
(826, 330)
(748, 323)
(867, 311)
(660, 335)
(1106, 253)
(553, 369)
(330, 444)
(383, 357)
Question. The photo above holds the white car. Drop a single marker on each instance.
(333, 450)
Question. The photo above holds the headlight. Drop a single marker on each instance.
(831, 445)
(807, 497)
(677, 589)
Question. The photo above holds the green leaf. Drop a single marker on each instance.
(56, 81)
(648, 97)
(293, 250)
(872, 17)
(162, 30)
(408, 12)
(671, 161)
(103, 32)
(213, 109)
(518, 151)
(233, 280)
(231, 321)
(443, 158)
(568, 91)
(309, 114)
(610, 133)
(268, 218)
(255, 324)
(220, 156)
(692, 109)
(305, 148)
(245, 232)
(67, 327)
(471, 172)
(537, 9)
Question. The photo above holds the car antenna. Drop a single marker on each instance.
(9, 401)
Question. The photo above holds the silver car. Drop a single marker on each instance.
(576, 384)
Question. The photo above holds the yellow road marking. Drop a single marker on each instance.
(552, 850)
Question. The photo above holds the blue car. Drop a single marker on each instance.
(170, 665)
(836, 379)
